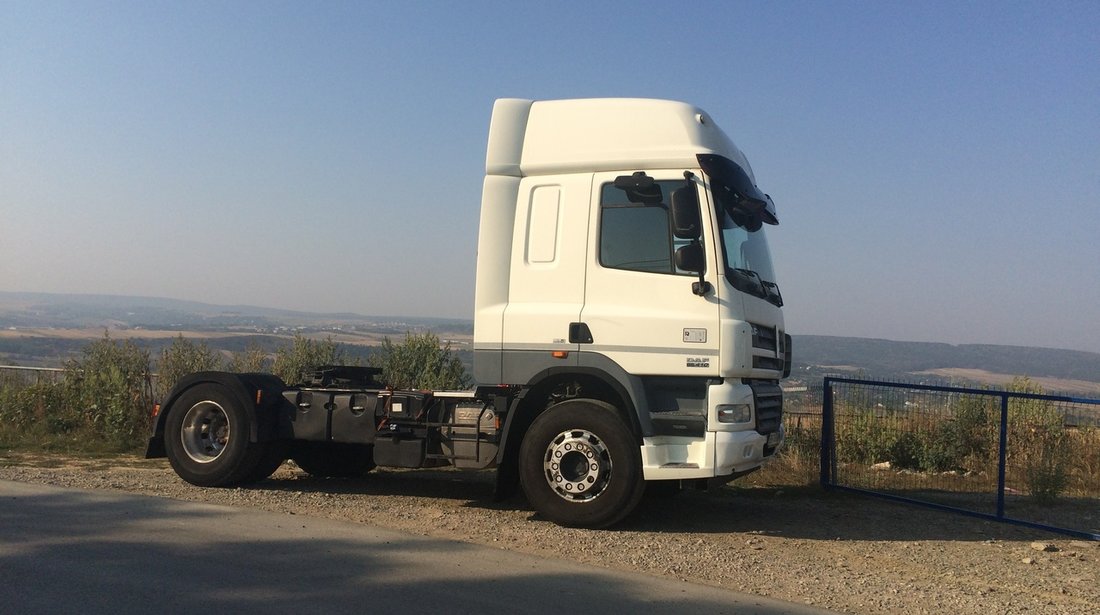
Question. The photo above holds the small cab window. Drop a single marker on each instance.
(638, 236)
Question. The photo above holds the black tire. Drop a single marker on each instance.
(334, 459)
(206, 438)
(580, 466)
(273, 457)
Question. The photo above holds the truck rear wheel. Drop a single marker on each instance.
(334, 459)
(273, 457)
(207, 439)
(580, 466)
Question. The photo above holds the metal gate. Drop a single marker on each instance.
(1014, 456)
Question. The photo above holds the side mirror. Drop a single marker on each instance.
(690, 258)
(686, 223)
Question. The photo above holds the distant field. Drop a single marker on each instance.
(1053, 385)
(94, 333)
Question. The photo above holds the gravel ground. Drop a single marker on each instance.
(838, 551)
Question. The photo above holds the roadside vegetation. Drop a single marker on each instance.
(949, 445)
(101, 402)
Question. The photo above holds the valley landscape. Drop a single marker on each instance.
(44, 330)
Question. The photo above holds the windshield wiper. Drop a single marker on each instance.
(750, 276)
(769, 291)
(774, 296)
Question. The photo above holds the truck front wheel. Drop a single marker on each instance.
(580, 466)
(207, 439)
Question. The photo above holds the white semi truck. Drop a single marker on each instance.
(627, 331)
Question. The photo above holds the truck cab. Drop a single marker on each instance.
(622, 246)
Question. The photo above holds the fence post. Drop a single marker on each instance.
(1003, 457)
(826, 432)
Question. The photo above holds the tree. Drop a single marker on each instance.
(107, 389)
(252, 359)
(1038, 441)
(304, 355)
(184, 357)
(420, 362)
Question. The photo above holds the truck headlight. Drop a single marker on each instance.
(734, 413)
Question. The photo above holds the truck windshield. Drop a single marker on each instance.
(742, 212)
(748, 260)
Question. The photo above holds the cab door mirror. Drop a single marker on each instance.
(686, 223)
(690, 258)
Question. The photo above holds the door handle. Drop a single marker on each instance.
(579, 333)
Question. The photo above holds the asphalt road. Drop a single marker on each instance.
(76, 551)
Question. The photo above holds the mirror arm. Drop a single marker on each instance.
(702, 287)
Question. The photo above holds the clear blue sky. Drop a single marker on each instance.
(936, 166)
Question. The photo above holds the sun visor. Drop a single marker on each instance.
(733, 188)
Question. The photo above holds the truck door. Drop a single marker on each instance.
(546, 285)
(638, 306)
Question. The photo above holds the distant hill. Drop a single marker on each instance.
(30, 310)
(886, 358)
(230, 327)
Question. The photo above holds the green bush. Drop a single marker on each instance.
(181, 358)
(941, 447)
(107, 391)
(253, 359)
(420, 362)
(867, 438)
(978, 420)
(1038, 444)
(23, 405)
(101, 403)
(1041, 452)
(922, 443)
(907, 451)
(295, 362)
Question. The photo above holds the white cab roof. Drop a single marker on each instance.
(600, 134)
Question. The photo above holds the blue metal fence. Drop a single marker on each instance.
(1017, 457)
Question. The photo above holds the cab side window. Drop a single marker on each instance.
(637, 236)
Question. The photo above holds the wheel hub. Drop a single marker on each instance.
(205, 431)
(577, 465)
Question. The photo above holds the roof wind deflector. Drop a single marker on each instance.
(733, 188)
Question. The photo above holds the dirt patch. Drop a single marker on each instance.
(838, 551)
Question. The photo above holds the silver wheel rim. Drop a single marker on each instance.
(205, 431)
(577, 465)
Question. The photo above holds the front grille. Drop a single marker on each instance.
(774, 344)
(764, 337)
(767, 363)
(767, 397)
